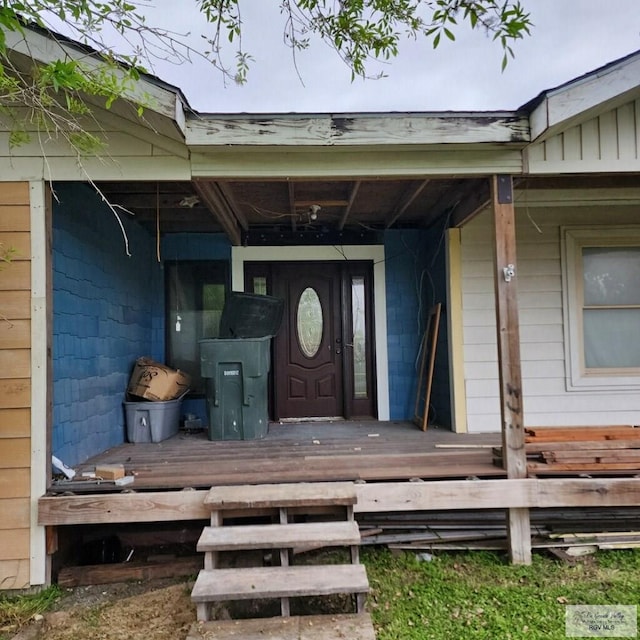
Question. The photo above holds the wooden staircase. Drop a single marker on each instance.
(287, 502)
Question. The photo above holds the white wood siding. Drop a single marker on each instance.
(608, 142)
(133, 152)
(546, 400)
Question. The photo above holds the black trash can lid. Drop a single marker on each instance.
(250, 315)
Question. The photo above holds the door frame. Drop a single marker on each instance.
(373, 253)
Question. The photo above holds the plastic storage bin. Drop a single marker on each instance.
(152, 421)
(236, 366)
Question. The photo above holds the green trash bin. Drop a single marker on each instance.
(236, 367)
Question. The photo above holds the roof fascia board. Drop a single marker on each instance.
(349, 130)
(353, 164)
(585, 98)
(46, 48)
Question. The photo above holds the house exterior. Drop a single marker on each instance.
(91, 287)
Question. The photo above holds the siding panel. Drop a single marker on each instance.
(14, 574)
(14, 544)
(608, 142)
(15, 387)
(15, 483)
(15, 513)
(15, 423)
(546, 399)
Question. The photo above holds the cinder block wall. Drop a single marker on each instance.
(105, 314)
(415, 279)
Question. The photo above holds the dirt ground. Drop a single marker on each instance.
(161, 610)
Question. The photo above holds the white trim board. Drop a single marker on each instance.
(375, 253)
(39, 391)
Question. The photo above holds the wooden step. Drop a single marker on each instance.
(328, 627)
(279, 582)
(300, 494)
(276, 536)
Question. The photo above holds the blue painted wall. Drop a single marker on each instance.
(106, 308)
(415, 272)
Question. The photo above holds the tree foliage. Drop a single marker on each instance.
(50, 99)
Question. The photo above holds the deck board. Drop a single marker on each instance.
(313, 452)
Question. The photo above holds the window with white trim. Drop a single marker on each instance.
(601, 270)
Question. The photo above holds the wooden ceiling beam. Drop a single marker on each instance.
(409, 196)
(215, 201)
(302, 204)
(226, 190)
(349, 206)
(292, 205)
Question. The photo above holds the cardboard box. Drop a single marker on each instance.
(151, 380)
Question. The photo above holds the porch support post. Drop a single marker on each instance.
(508, 330)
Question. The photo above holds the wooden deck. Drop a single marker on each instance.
(307, 452)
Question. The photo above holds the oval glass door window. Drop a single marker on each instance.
(309, 322)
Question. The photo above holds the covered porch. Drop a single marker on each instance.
(316, 451)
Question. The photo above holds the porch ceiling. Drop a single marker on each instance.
(261, 211)
(253, 208)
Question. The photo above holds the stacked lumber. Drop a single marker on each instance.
(573, 531)
(566, 450)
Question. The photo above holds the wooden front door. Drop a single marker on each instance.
(309, 348)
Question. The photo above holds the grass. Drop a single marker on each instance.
(17, 610)
(470, 595)
(476, 595)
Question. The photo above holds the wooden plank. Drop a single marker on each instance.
(127, 571)
(447, 494)
(14, 544)
(279, 582)
(15, 483)
(281, 495)
(509, 365)
(15, 423)
(496, 494)
(123, 507)
(15, 305)
(14, 193)
(587, 445)
(596, 455)
(508, 333)
(14, 217)
(591, 435)
(15, 334)
(550, 467)
(16, 513)
(15, 453)
(14, 574)
(357, 626)
(312, 534)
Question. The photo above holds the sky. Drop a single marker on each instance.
(569, 38)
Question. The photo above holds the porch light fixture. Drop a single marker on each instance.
(314, 209)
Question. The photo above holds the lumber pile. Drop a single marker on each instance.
(577, 450)
(562, 531)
